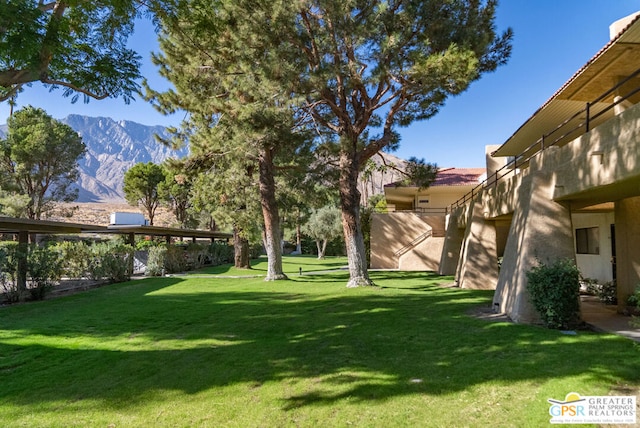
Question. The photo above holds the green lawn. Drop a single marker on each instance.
(290, 266)
(206, 351)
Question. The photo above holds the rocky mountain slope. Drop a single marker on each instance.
(115, 146)
(112, 148)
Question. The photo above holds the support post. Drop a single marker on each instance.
(23, 249)
(478, 263)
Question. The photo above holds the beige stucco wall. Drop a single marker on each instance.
(540, 231)
(391, 232)
(627, 213)
(424, 256)
(478, 264)
(502, 198)
(438, 198)
(493, 164)
(452, 244)
(602, 165)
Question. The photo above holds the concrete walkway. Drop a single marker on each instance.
(605, 318)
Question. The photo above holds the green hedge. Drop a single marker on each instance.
(110, 260)
(180, 258)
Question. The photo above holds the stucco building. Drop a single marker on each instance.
(566, 184)
(410, 236)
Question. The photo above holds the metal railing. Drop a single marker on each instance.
(587, 118)
(413, 243)
(431, 211)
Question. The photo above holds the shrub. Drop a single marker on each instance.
(180, 258)
(44, 268)
(255, 250)
(111, 260)
(146, 244)
(554, 291)
(608, 293)
(156, 261)
(220, 253)
(175, 259)
(335, 247)
(634, 299)
(591, 286)
(9, 271)
(76, 257)
(196, 255)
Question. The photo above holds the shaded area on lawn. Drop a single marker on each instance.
(118, 345)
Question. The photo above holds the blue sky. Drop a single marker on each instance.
(552, 39)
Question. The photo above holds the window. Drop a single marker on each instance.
(587, 240)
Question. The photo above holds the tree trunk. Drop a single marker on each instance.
(21, 256)
(240, 250)
(272, 237)
(322, 249)
(350, 205)
(298, 234)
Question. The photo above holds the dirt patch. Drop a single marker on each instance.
(486, 313)
(626, 390)
(99, 213)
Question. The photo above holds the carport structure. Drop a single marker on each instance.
(22, 228)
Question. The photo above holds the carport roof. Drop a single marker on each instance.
(16, 225)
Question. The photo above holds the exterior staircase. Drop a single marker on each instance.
(407, 241)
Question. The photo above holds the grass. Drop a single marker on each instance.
(207, 351)
(290, 266)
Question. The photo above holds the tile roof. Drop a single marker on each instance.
(454, 177)
(458, 176)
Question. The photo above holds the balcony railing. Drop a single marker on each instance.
(427, 211)
(565, 131)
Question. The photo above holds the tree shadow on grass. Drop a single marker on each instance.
(117, 345)
(382, 279)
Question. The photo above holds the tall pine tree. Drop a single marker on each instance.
(210, 55)
(359, 68)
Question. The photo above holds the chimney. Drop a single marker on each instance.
(619, 25)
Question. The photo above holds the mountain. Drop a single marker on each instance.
(112, 148)
(115, 146)
(381, 169)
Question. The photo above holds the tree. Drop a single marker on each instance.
(175, 191)
(302, 194)
(210, 65)
(78, 45)
(374, 66)
(359, 69)
(226, 188)
(323, 225)
(13, 204)
(40, 160)
(141, 183)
